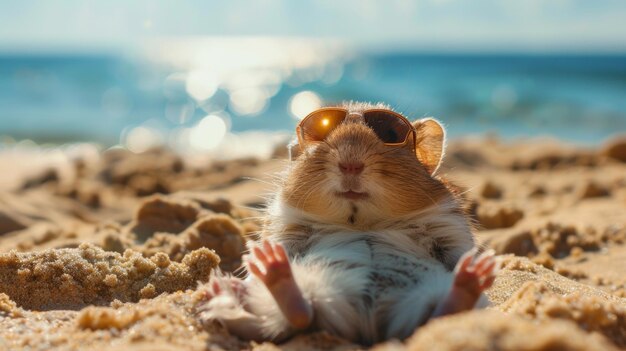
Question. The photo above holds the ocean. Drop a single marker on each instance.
(197, 97)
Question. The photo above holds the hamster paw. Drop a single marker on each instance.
(223, 285)
(222, 302)
(269, 263)
(472, 276)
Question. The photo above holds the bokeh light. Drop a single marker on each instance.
(179, 112)
(304, 103)
(249, 101)
(208, 133)
(201, 85)
(142, 138)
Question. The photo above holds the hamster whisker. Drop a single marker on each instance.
(261, 181)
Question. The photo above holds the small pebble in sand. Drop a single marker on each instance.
(498, 216)
(616, 149)
(538, 191)
(592, 189)
(8, 307)
(491, 191)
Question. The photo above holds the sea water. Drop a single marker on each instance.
(200, 96)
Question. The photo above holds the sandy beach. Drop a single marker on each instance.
(104, 250)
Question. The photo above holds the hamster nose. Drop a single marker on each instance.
(351, 167)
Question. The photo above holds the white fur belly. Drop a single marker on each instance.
(380, 288)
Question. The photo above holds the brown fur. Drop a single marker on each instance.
(396, 181)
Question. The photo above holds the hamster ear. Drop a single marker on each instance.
(429, 143)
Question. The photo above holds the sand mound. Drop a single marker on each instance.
(592, 189)
(159, 214)
(314, 341)
(498, 216)
(74, 278)
(9, 223)
(218, 232)
(491, 191)
(163, 323)
(616, 149)
(591, 313)
(517, 271)
(178, 225)
(492, 330)
(556, 240)
(537, 302)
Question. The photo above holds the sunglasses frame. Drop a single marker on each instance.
(300, 133)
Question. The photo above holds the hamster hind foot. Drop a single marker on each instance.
(269, 263)
(472, 276)
(222, 301)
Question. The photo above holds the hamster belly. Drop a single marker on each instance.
(370, 287)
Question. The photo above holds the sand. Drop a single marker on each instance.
(105, 250)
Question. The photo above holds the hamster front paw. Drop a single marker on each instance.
(269, 263)
(472, 276)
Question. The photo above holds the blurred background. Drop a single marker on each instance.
(233, 78)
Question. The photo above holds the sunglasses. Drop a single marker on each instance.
(390, 127)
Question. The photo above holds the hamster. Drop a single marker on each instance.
(362, 240)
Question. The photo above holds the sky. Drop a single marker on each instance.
(480, 25)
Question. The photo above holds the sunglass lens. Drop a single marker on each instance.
(317, 126)
(390, 128)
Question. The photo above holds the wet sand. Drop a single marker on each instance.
(105, 250)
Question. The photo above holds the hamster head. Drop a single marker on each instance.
(352, 178)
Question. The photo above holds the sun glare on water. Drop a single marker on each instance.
(220, 78)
